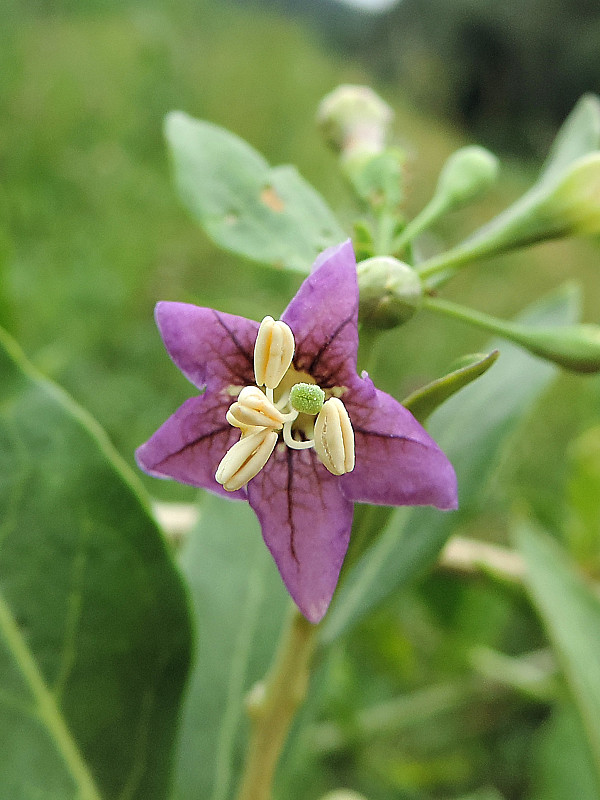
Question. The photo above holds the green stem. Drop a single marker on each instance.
(477, 318)
(386, 225)
(458, 256)
(436, 207)
(367, 354)
(273, 705)
(526, 222)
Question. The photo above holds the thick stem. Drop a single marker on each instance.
(273, 705)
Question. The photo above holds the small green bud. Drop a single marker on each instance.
(390, 291)
(575, 201)
(307, 398)
(467, 174)
(574, 347)
(354, 120)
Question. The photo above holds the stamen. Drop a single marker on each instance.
(254, 409)
(273, 352)
(291, 442)
(245, 459)
(334, 437)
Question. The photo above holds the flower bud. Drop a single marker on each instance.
(245, 459)
(390, 291)
(564, 202)
(466, 175)
(354, 120)
(254, 409)
(576, 199)
(273, 352)
(334, 437)
(574, 347)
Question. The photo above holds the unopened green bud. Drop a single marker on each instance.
(354, 120)
(575, 201)
(467, 174)
(390, 291)
(574, 347)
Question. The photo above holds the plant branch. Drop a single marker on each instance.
(273, 704)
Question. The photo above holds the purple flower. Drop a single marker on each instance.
(300, 456)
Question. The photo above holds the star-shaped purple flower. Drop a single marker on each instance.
(305, 510)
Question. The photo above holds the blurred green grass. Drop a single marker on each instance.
(92, 235)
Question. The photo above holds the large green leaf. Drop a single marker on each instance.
(239, 603)
(269, 214)
(472, 427)
(570, 611)
(94, 629)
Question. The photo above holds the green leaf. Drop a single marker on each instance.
(424, 401)
(268, 214)
(578, 136)
(583, 493)
(94, 629)
(472, 428)
(240, 603)
(562, 764)
(570, 612)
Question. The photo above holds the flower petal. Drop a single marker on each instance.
(305, 522)
(189, 446)
(323, 317)
(397, 462)
(208, 345)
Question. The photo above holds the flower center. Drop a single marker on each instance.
(307, 398)
(287, 404)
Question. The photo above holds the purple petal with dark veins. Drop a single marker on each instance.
(305, 522)
(190, 444)
(397, 462)
(323, 317)
(208, 346)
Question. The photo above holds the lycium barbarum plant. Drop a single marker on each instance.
(283, 420)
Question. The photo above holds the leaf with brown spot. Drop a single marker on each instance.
(268, 214)
(271, 199)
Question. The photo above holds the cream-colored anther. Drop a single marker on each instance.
(334, 437)
(253, 409)
(245, 459)
(273, 352)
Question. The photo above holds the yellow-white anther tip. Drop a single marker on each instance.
(334, 437)
(245, 459)
(254, 409)
(273, 352)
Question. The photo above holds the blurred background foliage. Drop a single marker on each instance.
(92, 235)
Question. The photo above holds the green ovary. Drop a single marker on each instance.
(307, 398)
